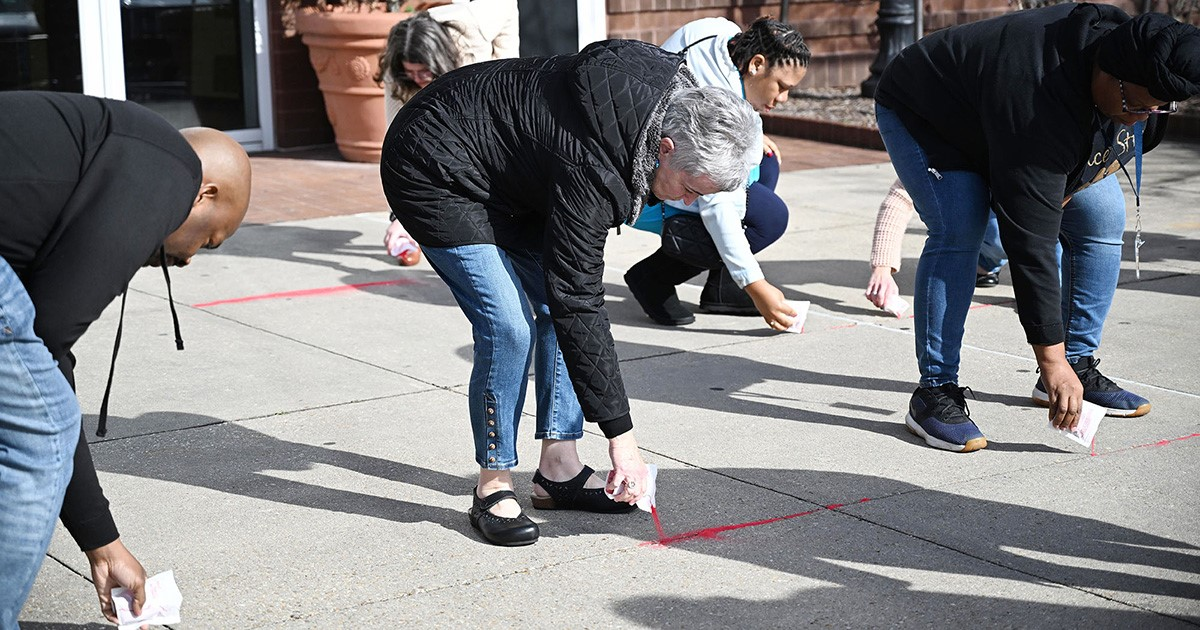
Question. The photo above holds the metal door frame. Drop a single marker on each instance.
(103, 61)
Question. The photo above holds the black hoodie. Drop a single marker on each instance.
(89, 188)
(1010, 98)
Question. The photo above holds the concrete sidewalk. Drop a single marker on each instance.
(307, 462)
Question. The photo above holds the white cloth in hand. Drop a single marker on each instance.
(895, 305)
(801, 309)
(1089, 422)
(163, 600)
(647, 500)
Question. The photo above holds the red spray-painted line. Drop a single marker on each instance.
(973, 308)
(657, 523)
(1166, 442)
(714, 533)
(305, 292)
(1159, 443)
(1151, 444)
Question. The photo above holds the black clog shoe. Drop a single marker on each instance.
(500, 530)
(571, 495)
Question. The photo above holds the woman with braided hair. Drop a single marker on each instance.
(760, 65)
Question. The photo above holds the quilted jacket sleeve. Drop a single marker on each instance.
(584, 202)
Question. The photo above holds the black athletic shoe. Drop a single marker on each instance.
(987, 280)
(940, 415)
(1099, 390)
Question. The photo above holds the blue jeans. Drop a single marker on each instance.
(39, 427)
(991, 252)
(1089, 262)
(503, 294)
(766, 213)
(954, 206)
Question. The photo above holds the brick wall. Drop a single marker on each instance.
(841, 33)
(299, 108)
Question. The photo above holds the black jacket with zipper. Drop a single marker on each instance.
(89, 188)
(545, 154)
(1010, 98)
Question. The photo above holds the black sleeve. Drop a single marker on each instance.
(85, 509)
(1027, 199)
(122, 217)
(583, 209)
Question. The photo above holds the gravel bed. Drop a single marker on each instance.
(837, 104)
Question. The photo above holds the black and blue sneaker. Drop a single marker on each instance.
(940, 415)
(1099, 390)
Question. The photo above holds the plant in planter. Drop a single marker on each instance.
(344, 39)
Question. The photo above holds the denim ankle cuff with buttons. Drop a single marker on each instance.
(496, 288)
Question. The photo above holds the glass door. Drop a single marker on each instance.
(192, 61)
(39, 46)
(195, 62)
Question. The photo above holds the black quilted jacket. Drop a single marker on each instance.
(545, 154)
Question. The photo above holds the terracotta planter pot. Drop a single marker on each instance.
(344, 50)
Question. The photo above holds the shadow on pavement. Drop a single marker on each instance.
(693, 386)
(872, 581)
(227, 457)
(1042, 546)
(317, 247)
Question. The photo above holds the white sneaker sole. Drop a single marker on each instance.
(1042, 399)
(915, 429)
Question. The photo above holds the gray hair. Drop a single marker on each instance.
(716, 134)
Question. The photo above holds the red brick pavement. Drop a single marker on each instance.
(318, 183)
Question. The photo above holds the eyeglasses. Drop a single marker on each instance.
(420, 76)
(1170, 108)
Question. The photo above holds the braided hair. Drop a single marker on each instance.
(779, 43)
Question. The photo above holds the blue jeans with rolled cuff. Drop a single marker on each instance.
(503, 294)
(954, 205)
(39, 428)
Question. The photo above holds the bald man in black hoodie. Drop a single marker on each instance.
(91, 190)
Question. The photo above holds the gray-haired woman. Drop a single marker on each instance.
(510, 174)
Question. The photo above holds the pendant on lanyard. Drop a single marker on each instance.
(1138, 128)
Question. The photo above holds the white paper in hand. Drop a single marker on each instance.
(403, 247)
(163, 600)
(1089, 422)
(801, 309)
(896, 305)
(647, 500)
